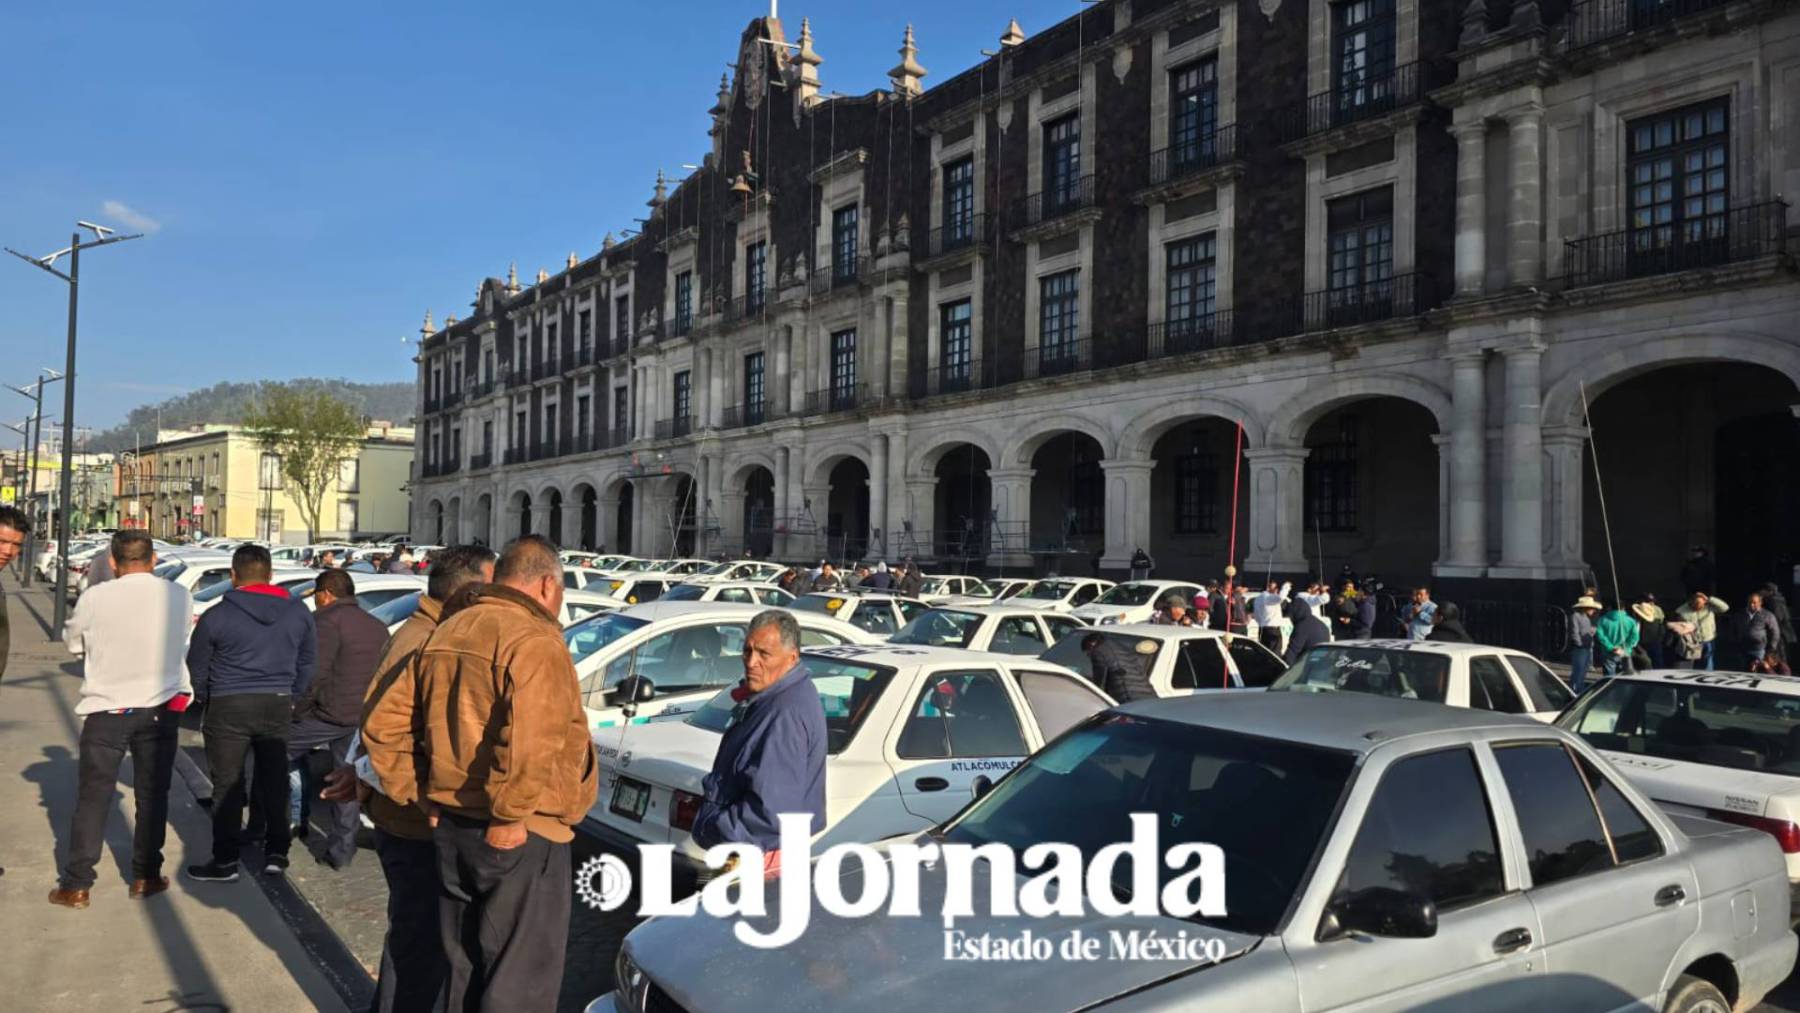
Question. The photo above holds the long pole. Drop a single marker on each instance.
(37, 427)
(68, 446)
(1600, 492)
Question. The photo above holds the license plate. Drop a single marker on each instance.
(630, 798)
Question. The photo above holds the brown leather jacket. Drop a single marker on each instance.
(503, 730)
(387, 727)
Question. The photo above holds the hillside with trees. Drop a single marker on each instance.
(232, 403)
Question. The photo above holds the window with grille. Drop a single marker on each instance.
(1196, 493)
(1192, 284)
(584, 329)
(455, 448)
(844, 242)
(753, 388)
(1331, 480)
(549, 439)
(621, 409)
(1680, 186)
(843, 368)
(623, 317)
(550, 342)
(959, 202)
(1193, 113)
(1363, 53)
(583, 409)
(1059, 312)
(1062, 163)
(684, 394)
(1360, 250)
(684, 301)
(487, 438)
(756, 273)
(518, 432)
(956, 340)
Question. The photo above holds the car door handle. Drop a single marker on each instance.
(1672, 894)
(1512, 940)
(931, 784)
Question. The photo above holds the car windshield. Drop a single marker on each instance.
(717, 570)
(635, 566)
(595, 632)
(1067, 652)
(213, 591)
(845, 688)
(1266, 803)
(1049, 590)
(1724, 723)
(169, 571)
(933, 585)
(1128, 594)
(988, 589)
(397, 610)
(684, 592)
(827, 604)
(939, 628)
(1381, 671)
(304, 589)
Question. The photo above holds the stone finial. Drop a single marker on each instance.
(806, 67)
(661, 196)
(573, 260)
(608, 243)
(1474, 22)
(881, 241)
(512, 278)
(903, 233)
(1526, 16)
(1014, 35)
(723, 105)
(450, 320)
(907, 74)
(429, 329)
(542, 276)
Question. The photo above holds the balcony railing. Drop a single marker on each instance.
(1354, 101)
(513, 455)
(1596, 21)
(1402, 295)
(1057, 201)
(477, 391)
(607, 439)
(431, 405)
(1193, 334)
(681, 325)
(480, 461)
(1182, 160)
(1057, 359)
(675, 428)
(517, 377)
(544, 367)
(739, 416)
(450, 467)
(950, 378)
(959, 235)
(1743, 233)
(841, 398)
(452, 398)
(744, 307)
(846, 271)
(584, 356)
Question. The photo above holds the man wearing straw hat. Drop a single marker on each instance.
(1581, 640)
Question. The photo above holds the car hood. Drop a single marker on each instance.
(883, 962)
(673, 754)
(1041, 604)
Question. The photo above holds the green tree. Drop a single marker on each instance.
(313, 432)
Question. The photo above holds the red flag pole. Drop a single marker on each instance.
(1237, 467)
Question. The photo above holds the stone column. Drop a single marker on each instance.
(777, 383)
(921, 500)
(571, 522)
(878, 504)
(815, 503)
(606, 525)
(1010, 493)
(702, 495)
(1525, 261)
(1471, 207)
(899, 511)
(702, 406)
(1127, 511)
(1277, 477)
(1466, 492)
(1522, 457)
(783, 503)
(1565, 454)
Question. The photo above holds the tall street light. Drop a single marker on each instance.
(102, 237)
(46, 375)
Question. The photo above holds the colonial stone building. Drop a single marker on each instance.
(1416, 282)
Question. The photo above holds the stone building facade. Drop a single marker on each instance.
(1393, 274)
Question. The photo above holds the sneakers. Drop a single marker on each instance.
(275, 865)
(213, 872)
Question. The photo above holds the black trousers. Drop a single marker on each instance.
(413, 969)
(343, 817)
(1270, 637)
(255, 724)
(149, 734)
(504, 917)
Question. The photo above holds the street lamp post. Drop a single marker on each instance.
(102, 237)
(35, 439)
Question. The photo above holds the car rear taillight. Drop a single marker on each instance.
(683, 809)
(1785, 832)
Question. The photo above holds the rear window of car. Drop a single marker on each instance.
(829, 604)
(1409, 675)
(595, 632)
(1718, 725)
(1067, 652)
(847, 690)
(939, 628)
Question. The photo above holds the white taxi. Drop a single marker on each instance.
(879, 612)
(992, 591)
(995, 628)
(734, 592)
(1061, 594)
(1134, 601)
(576, 606)
(1460, 675)
(1184, 659)
(1723, 745)
(946, 585)
(754, 570)
(682, 652)
(912, 735)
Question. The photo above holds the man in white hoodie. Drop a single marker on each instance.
(131, 633)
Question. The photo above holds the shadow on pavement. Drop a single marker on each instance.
(58, 769)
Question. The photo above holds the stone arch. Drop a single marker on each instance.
(1291, 422)
(545, 492)
(821, 461)
(928, 450)
(1140, 436)
(743, 464)
(1034, 434)
(1562, 398)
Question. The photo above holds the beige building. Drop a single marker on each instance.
(216, 478)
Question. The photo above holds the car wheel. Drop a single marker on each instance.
(1695, 995)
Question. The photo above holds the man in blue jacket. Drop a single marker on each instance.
(772, 758)
(250, 658)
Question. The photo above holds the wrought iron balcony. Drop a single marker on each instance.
(607, 439)
(513, 455)
(1735, 235)
(739, 416)
(1058, 358)
(584, 356)
(744, 307)
(838, 398)
(477, 391)
(1193, 334)
(1399, 296)
(1353, 101)
(1178, 161)
(450, 466)
(431, 405)
(517, 377)
(682, 325)
(1073, 195)
(675, 428)
(480, 461)
(951, 378)
(545, 367)
(452, 398)
(959, 234)
(1595, 21)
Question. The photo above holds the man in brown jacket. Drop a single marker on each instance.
(509, 769)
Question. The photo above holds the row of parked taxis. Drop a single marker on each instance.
(1404, 824)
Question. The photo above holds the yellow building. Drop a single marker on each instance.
(218, 480)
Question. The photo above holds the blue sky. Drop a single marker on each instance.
(315, 176)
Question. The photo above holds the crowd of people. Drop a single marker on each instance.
(904, 578)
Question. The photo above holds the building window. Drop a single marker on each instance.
(550, 342)
(844, 242)
(550, 428)
(621, 409)
(1191, 286)
(623, 319)
(456, 445)
(487, 366)
(756, 275)
(1196, 493)
(582, 411)
(959, 202)
(753, 388)
(843, 368)
(1062, 163)
(1362, 33)
(684, 394)
(1086, 482)
(1331, 480)
(684, 302)
(1679, 184)
(487, 438)
(349, 475)
(1059, 312)
(456, 377)
(584, 329)
(519, 431)
(1360, 248)
(1193, 114)
(347, 516)
(956, 351)
(269, 523)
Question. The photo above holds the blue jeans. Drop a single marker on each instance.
(1706, 654)
(1616, 664)
(1579, 660)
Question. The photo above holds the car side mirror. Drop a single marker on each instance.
(1381, 911)
(632, 690)
(983, 785)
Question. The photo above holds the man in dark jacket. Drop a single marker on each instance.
(771, 759)
(1309, 631)
(1447, 626)
(913, 582)
(250, 658)
(350, 642)
(1120, 671)
(1776, 605)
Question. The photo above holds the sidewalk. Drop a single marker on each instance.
(197, 947)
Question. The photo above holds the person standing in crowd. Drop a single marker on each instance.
(250, 657)
(1615, 637)
(880, 579)
(1309, 631)
(1652, 628)
(1318, 596)
(1363, 626)
(1698, 573)
(130, 633)
(1267, 608)
(1447, 626)
(1581, 640)
(860, 578)
(914, 581)
(328, 560)
(789, 581)
(1121, 673)
(13, 528)
(510, 770)
(400, 561)
(828, 579)
(1416, 614)
(1777, 606)
(1174, 612)
(1703, 611)
(771, 759)
(1210, 604)
(1142, 566)
(350, 644)
(413, 969)
(1762, 635)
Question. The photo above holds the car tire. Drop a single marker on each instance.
(1695, 995)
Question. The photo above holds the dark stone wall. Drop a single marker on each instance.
(1121, 158)
(1269, 253)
